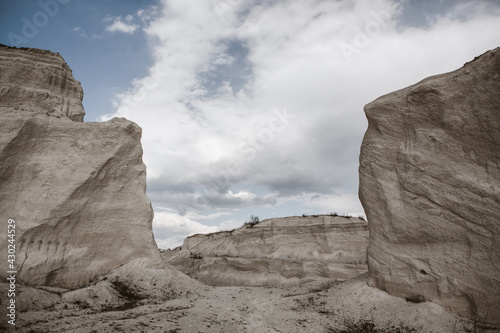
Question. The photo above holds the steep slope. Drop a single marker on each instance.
(430, 186)
(276, 251)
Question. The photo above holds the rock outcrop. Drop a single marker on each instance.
(430, 186)
(276, 251)
(34, 81)
(75, 190)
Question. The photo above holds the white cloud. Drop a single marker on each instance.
(108, 18)
(223, 59)
(147, 14)
(83, 33)
(325, 203)
(79, 31)
(119, 25)
(171, 229)
(223, 69)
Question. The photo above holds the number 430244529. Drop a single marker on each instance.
(11, 236)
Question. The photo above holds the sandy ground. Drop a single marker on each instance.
(350, 306)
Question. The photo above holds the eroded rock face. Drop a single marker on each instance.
(76, 191)
(276, 251)
(40, 82)
(430, 186)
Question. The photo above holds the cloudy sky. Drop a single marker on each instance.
(249, 107)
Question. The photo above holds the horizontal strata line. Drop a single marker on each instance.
(49, 61)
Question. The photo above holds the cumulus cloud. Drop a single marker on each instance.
(120, 25)
(271, 94)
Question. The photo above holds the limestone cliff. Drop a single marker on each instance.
(276, 251)
(430, 186)
(75, 190)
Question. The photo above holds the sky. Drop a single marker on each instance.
(249, 107)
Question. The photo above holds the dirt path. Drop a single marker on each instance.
(223, 309)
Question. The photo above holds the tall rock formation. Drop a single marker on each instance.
(75, 190)
(430, 186)
(276, 251)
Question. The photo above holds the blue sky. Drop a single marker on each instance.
(104, 61)
(249, 107)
